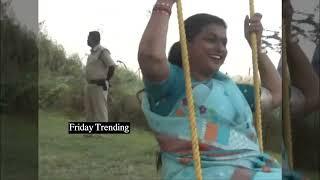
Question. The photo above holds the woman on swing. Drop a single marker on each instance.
(227, 138)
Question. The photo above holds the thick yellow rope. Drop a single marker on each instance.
(286, 99)
(256, 81)
(186, 68)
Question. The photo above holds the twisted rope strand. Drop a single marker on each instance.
(286, 99)
(256, 81)
(186, 68)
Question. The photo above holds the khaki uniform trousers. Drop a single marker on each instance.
(96, 103)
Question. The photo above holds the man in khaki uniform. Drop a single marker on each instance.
(99, 70)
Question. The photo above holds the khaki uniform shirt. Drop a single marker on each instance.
(98, 63)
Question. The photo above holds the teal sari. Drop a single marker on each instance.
(227, 139)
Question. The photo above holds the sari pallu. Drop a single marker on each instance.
(228, 142)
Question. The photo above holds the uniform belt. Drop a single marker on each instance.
(99, 82)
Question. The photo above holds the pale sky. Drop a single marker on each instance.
(122, 22)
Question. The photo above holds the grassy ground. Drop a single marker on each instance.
(18, 149)
(63, 156)
(124, 157)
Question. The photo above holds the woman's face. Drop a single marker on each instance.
(207, 50)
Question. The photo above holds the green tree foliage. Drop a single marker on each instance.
(61, 78)
(19, 57)
(123, 101)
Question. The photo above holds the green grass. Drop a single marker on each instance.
(63, 156)
(18, 147)
(112, 157)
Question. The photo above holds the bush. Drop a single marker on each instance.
(123, 103)
(19, 62)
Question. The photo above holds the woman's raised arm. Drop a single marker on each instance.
(152, 49)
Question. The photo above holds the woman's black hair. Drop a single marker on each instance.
(193, 26)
